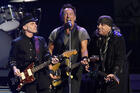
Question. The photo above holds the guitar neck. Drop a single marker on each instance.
(73, 66)
(37, 68)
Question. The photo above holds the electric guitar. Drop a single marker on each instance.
(75, 65)
(92, 59)
(55, 69)
(27, 76)
(57, 82)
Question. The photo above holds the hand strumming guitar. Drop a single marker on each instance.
(85, 61)
(16, 71)
(54, 61)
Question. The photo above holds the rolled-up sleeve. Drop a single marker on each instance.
(83, 34)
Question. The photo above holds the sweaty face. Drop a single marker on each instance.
(69, 15)
(103, 29)
(31, 27)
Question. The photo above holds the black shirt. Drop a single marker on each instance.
(23, 51)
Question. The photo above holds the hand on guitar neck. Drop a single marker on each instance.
(56, 61)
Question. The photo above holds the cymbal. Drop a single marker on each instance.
(18, 1)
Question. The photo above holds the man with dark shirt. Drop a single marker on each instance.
(111, 66)
(26, 49)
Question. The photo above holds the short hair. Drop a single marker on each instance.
(64, 7)
(105, 19)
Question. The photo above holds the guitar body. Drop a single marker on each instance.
(16, 83)
(57, 74)
(56, 82)
(27, 76)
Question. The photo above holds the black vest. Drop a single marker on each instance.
(61, 47)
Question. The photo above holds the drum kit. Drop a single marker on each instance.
(10, 17)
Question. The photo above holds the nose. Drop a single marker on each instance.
(99, 26)
(68, 16)
(35, 24)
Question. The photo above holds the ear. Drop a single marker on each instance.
(75, 18)
(24, 27)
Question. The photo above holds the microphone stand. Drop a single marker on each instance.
(70, 48)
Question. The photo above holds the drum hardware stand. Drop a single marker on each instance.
(9, 6)
(2, 10)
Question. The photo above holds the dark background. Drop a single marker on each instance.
(126, 14)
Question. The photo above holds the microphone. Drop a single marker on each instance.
(69, 23)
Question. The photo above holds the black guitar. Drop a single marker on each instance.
(92, 60)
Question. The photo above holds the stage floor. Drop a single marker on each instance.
(134, 84)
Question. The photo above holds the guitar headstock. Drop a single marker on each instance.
(69, 53)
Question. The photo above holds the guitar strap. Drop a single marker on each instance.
(37, 48)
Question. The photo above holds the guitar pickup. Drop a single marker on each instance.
(22, 76)
(29, 72)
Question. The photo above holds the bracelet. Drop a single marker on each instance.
(84, 57)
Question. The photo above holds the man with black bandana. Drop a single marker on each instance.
(59, 42)
(109, 44)
(26, 49)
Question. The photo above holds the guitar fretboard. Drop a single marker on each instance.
(73, 66)
(37, 68)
